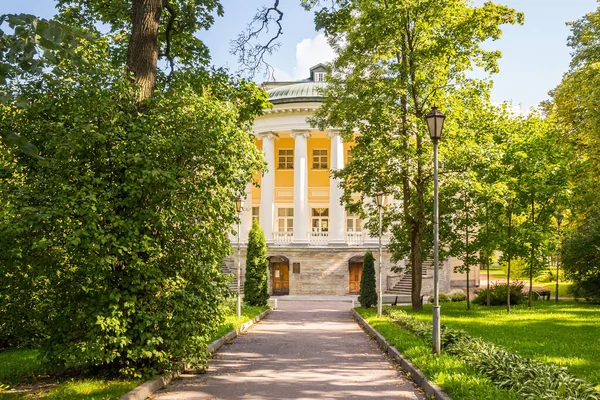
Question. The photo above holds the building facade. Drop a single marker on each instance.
(314, 245)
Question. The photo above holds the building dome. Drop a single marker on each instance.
(297, 93)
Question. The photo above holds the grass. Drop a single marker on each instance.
(500, 274)
(452, 374)
(565, 333)
(24, 366)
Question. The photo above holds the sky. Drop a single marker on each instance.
(534, 56)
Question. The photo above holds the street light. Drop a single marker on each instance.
(559, 218)
(239, 206)
(435, 123)
(380, 199)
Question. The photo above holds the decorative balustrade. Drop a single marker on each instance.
(283, 237)
(355, 238)
(318, 238)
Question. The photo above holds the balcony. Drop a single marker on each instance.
(318, 238)
(283, 238)
(355, 238)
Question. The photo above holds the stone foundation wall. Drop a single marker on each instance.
(325, 270)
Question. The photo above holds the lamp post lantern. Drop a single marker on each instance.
(435, 123)
(559, 218)
(239, 206)
(380, 199)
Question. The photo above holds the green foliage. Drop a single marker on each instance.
(383, 83)
(581, 260)
(499, 294)
(458, 296)
(256, 285)
(456, 377)
(116, 239)
(529, 379)
(442, 298)
(367, 296)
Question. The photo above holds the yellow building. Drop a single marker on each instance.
(314, 245)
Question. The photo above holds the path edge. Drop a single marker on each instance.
(150, 387)
(415, 374)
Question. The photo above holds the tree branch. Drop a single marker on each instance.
(251, 56)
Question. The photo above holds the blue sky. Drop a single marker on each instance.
(535, 55)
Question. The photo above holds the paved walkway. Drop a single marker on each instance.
(303, 350)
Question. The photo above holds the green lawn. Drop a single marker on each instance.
(451, 373)
(566, 334)
(24, 367)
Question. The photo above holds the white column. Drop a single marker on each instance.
(300, 186)
(336, 210)
(247, 214)
(267, 186)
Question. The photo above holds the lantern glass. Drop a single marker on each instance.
(435, 123)
(380, 199)
(239, 205)
(559, 218)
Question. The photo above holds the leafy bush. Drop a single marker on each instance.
(498, 294)
(528, 378)
(458, 296)
(118, 235)
(581, 260)
(256, 285)
(367, 296)
(442, 298)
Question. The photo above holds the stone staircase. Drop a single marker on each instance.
(227, 270)
(404, 285)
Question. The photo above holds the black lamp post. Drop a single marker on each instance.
(239, 206)
(380, 199)
(435, 123)
(559, 219)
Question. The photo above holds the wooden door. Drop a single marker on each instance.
(281, 278)
(354, 277)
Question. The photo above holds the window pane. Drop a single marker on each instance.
(290, 212)
(281, 224)
(281, 212)
(290, 222)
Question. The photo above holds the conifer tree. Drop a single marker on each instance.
(368, 291)
(256, 285)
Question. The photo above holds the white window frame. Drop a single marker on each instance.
(356, 220)
(319, 76)
(287, 218)
(319, 164)
(323, 217)
(286, 163)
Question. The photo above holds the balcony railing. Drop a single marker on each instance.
(283, 237)
(318, 238)
(355, 238)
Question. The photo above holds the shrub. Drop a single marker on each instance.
(256, 285)
(367, 296)
(118, 236)
(528, 378)
(498, 294)
(442, 298)
(458, 296)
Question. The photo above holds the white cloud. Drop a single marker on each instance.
(309, 52)
(281, 76)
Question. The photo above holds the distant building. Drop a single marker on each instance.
(314, 245)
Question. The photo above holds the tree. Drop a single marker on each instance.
(581, 260)
(122, 229)
(367, 296)
(256, 284)
(395, 60)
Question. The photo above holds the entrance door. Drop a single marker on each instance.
(281, 278)
(354, 277)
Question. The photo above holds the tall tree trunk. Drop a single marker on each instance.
(532, 253)
(142, 53)
(509, 250)
(467, 251)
